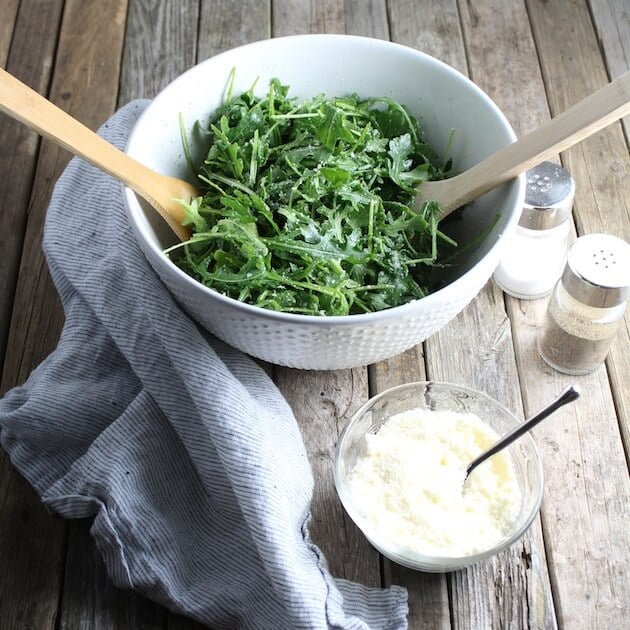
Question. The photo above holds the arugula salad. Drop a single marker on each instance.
(306, 206)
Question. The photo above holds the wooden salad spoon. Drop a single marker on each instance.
(160, 191)
(573, 125)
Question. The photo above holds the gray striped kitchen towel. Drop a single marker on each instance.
(181, 448)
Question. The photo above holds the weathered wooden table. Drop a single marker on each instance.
(535, 58)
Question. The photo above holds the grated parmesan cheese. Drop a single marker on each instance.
(409, 482)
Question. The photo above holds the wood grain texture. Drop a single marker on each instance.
(431, 26)
(8, 14)
(601, 168)
(501, 47)
(323, 402)
(85, 83)
(586, 451)
(585, 511)
(160, 43)
(31, 542)
(226, 24)
(294, 17)
(611, 19)
(30, 58)
(568, 47)
(31, 547)
(367, 18)
(89, 599)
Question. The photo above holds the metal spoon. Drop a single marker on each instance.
(571, 393)
(575, 124)
(160, 191)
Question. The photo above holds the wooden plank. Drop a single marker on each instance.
(31, 548)
(85, 84)
(431, 26)
(495, 31)
(8, 15)
(294, 17)
(90, 600)
(30, 60)
(584, 512)
(31, 543)
(585, 523)
(367, 18)
(160, 44)
(323, 402)
(226, 24)
(611, 19)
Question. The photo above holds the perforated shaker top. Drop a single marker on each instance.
(549, 196)
(597, 272)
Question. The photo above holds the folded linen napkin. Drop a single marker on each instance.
(180, 447)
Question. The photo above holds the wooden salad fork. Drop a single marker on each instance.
(161, 191)
(573, 125)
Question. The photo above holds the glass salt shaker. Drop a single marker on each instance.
(587, 304)
(536, 251)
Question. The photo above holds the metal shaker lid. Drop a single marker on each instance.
(597, 271)
(548, 197)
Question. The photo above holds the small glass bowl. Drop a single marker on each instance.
(437, 396)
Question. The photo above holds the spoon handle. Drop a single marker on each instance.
(569, 394)
(575, 124)
(36, 112)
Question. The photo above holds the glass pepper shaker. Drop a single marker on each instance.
(536, 251)
(587, 304)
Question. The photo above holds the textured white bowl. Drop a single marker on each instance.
(335, 65)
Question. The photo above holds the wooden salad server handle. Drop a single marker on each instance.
(161, 191)
(573, 125)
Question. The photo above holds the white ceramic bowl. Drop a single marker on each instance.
(436, 396)
(335, 65)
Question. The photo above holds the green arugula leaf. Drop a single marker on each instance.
(306, 206)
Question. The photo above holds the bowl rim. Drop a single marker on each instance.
(419, 561)
(132, 204)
